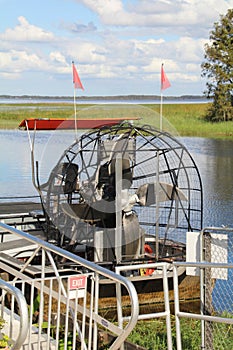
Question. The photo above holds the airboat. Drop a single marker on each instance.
(123, 195)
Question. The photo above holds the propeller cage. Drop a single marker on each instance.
(118, 185)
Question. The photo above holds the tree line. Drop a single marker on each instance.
(217, 67)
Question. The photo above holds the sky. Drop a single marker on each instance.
(117, 46)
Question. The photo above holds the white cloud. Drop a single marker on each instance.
(105, 8)
(56, 56)
(14, 63)
(188, 49)
(156, 13)
(25, 31)
(132, 40)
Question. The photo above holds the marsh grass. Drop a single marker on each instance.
(187, 119)
(152, 335)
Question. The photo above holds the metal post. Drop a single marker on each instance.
(96, 309)
(177, 308)
(157, 189)
(202, 292)
(167, 308)
(208, 307)
(91, 313)
(118, 238)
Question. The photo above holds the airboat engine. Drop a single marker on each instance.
(116, 186)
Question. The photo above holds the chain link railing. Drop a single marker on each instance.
(210, 326)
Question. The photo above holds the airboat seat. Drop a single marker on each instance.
(108, 150)
(105, 173)
(127, 173)
(63, 179)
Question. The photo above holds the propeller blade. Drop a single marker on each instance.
(149, 193)
(81, 211)
(94, 213)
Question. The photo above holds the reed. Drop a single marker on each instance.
(187, 119)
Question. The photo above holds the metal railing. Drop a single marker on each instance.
(196, 316)
(166, 313)
(14, 296)
(214, 267)
(72, 313)
(41, 283)
(216, 246)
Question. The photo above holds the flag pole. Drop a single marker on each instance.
(161, 100)
(75, 109)
(77, 85)
(161, 111)
(75, 116)
(165, 83)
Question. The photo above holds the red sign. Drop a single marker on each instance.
(77, 282)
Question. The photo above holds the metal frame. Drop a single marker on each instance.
(201, 317)
(22, 309)
(46, 247)
(165, 313)
(207, 229)
(174, 166)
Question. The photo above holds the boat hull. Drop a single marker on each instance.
(66, 124)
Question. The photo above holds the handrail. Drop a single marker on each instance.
(178, 314)
(91, 266)
(23, 312)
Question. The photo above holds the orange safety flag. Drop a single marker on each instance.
(76, 79)
(165, 83)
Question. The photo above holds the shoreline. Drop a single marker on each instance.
(123, 98)
(186, 118)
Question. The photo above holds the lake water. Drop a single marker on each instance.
(214, 159)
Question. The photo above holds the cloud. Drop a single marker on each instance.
(14, 63)
(127, 41)
(110, 58)
(79, 28)
(189, 50)
(25, 31)
(177, 14)
(107, 10)
(57, 57)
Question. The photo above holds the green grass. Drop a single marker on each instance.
(11, 115)
(187, 119)
(152, 334)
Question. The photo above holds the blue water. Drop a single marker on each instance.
(214, 159)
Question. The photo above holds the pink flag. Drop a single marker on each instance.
(76, 79)
(164, 80)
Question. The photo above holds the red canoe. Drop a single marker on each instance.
(52, 124)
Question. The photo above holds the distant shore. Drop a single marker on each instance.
(104, 98)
